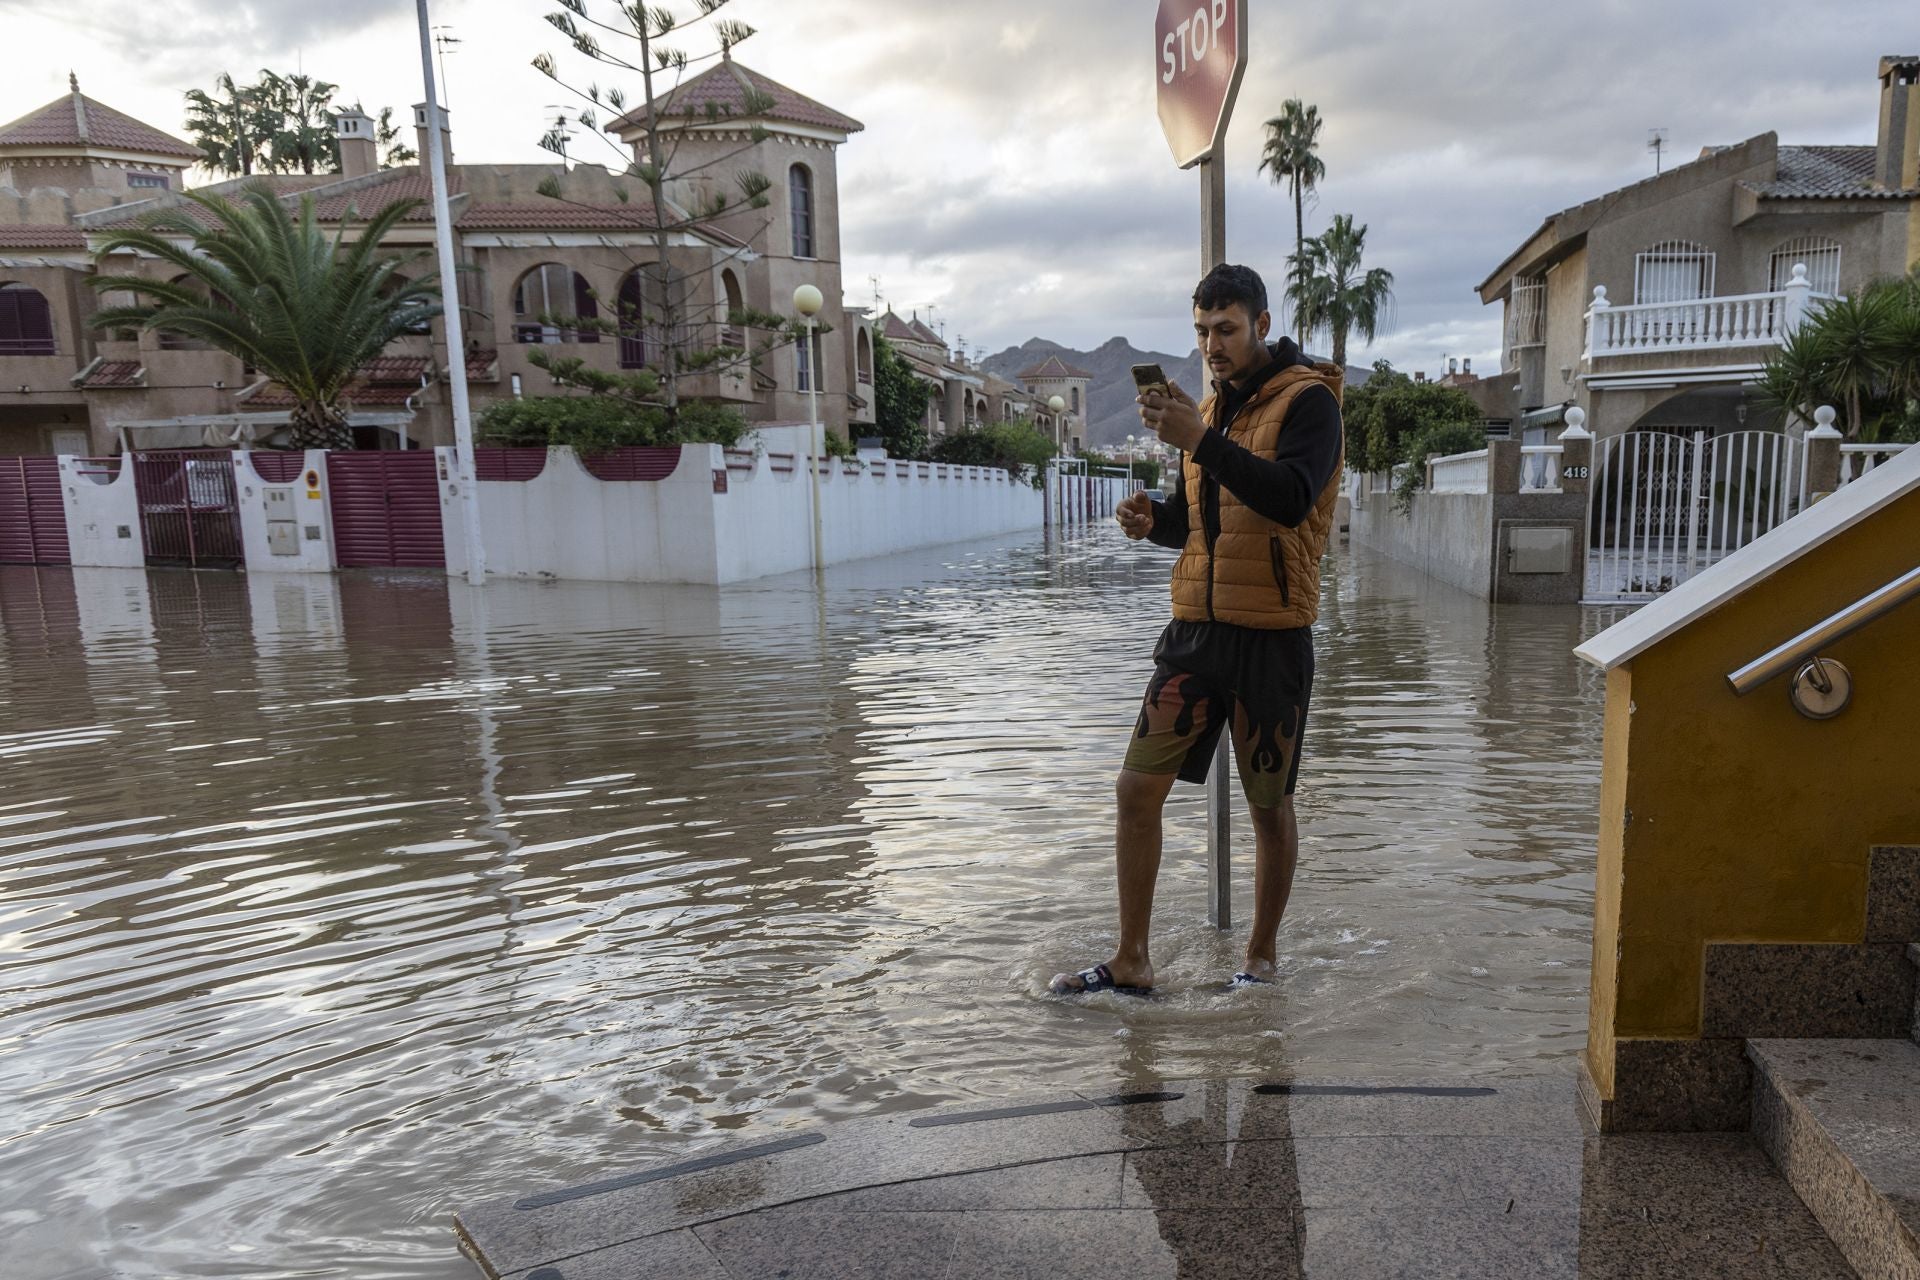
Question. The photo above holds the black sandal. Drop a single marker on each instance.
(1099, 978)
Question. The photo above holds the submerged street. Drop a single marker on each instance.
(332, 902)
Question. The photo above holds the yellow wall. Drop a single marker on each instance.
(1737, 819)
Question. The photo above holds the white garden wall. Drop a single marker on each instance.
(727, 516)
(103, 514)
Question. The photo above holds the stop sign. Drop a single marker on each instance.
(1200, 49)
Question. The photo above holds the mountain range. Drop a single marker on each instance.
(1112, 415)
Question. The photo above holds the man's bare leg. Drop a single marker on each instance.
(1276, 841)
(1139, 799)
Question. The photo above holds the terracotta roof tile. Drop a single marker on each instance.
(725, 87)
(483, 365)
(557, 215)
(113, 373)
(382, 380)
(1053, 367)
(76, 120)
(42, 238)
(369, 202)
(407, 369)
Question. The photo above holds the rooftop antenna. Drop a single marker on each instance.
(443, 37)
(1657, 143)
(557, 136)
(875, 282)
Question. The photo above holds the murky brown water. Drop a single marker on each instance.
(326, 906)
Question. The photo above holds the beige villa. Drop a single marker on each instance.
(965, 396)
(1655, 306)
(76, 170)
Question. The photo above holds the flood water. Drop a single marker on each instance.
(329, 905)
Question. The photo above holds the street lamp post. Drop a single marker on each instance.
(807, 300)
(436, 159)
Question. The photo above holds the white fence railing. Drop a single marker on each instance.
(1458, 473)
(1540, 468)
(1856, 460)
(1700, 324)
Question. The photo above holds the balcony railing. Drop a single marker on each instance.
(1699, 324)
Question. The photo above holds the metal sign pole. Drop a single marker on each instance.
(1200, 56)
(1213, 252)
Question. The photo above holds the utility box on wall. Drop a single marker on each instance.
(283, 534)
(1539, 550)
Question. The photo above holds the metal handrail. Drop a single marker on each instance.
(1808, 643)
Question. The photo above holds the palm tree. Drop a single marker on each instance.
(304, 308)
(1862, 352)
(393, 148)
(302, 109)
(229, 129)
(1330, 291)
(1291, 157)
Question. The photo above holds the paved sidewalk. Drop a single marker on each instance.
(1197, 1180)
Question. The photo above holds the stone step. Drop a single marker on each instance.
(1841, 1119)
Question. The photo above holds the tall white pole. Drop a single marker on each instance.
(813, 434)
(450, 312)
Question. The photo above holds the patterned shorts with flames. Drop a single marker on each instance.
(1207, 675)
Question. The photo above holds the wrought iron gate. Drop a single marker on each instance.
(1665, 505)
(189, 511)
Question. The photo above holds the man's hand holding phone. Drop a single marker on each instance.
(1135, 514)
(1167, 411)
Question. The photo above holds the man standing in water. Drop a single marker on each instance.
(1251, 517)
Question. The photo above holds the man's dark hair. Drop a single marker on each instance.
(1229, 283)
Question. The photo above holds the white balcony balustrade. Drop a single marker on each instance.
(1858, 460)
(1699, 324)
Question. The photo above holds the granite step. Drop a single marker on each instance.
(1841, 1119)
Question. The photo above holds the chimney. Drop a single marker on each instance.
(1466, 366)
(1419, 375)
(420, 134)
(359, 152)
(1897, 159)
(1453, 367)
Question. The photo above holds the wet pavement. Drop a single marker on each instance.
(332, 904)
(1205, 1180)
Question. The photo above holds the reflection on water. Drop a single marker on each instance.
(329, 904)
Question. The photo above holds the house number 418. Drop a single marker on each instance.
(1573, 473)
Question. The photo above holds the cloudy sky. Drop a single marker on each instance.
(1012, 175)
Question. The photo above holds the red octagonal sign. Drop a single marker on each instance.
(1199, 53)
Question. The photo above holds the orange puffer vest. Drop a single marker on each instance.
(1257, 573)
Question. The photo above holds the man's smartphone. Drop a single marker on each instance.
(1150, 377)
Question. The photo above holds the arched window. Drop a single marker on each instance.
(800, 202)
(1819, 254)
(1673, 271)
(730, 336)
(863, 357)
(26, 322)
(546, 298)
(636, 326)
(1076, 399)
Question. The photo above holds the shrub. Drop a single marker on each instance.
(1019, 448)
(595, 424)
(1437, 439)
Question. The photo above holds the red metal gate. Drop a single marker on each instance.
(189, 510)
(386, 509)
(33, 517)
